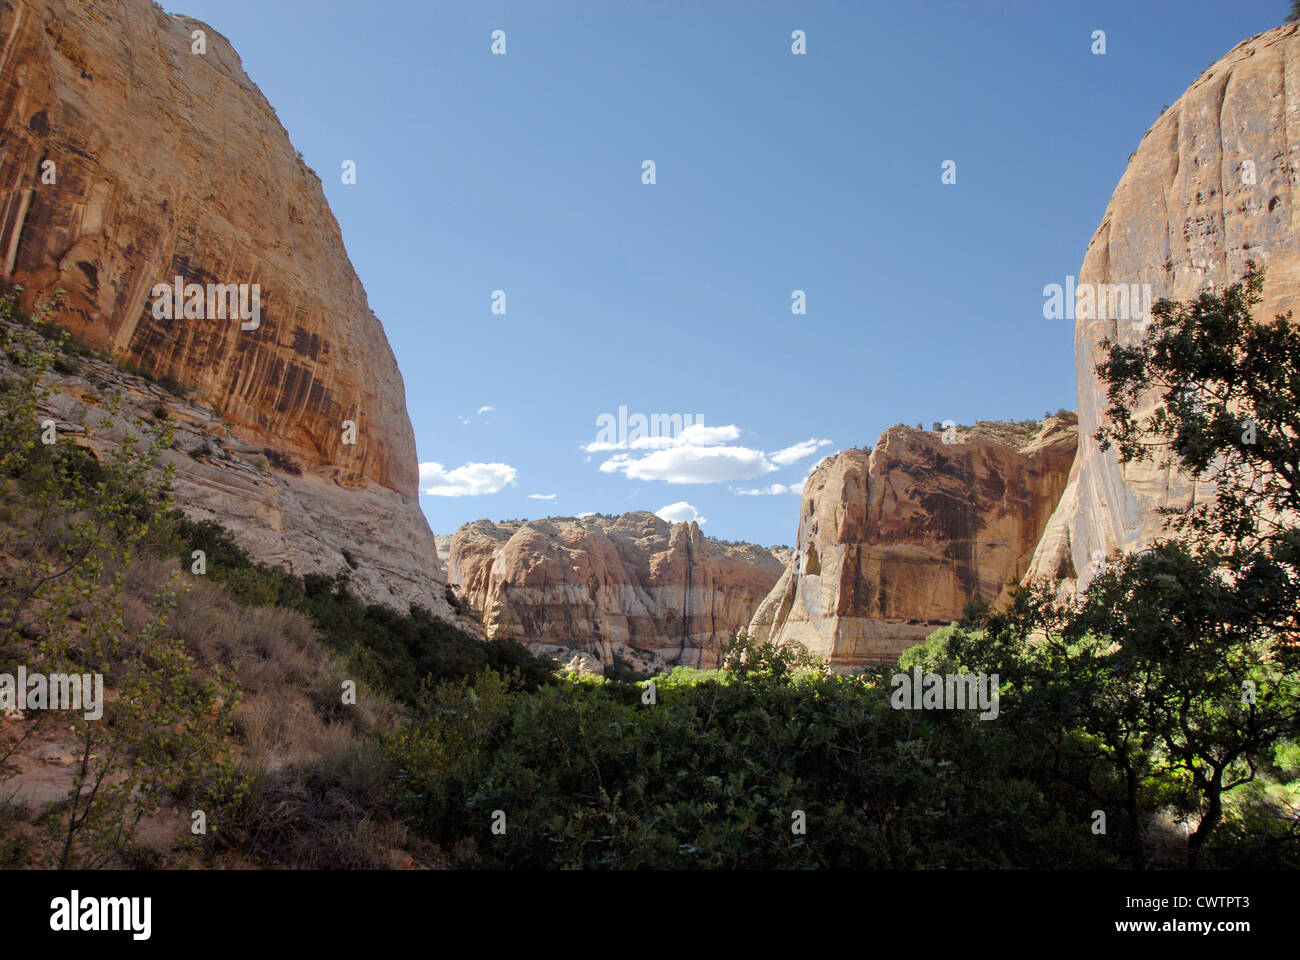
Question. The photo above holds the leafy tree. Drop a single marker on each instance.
(1294, 15)
(1227, 414)
(975, 613)
(1174, 679)
(75, 525)
(1227, 411)
(746, 656)
(1203, 669)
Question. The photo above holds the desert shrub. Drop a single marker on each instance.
(75, 526)
(390, 651)
(132, 368)
(281, 461)
(332, 812)
(173, 386)
(456, 601)
(714, 772)
(14, 844)
(395, 652)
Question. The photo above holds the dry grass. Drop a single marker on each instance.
(319, 789)
(319, 792)
(290, 708)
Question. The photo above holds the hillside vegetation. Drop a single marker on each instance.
(231, 698)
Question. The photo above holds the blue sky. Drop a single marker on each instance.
(774, 173)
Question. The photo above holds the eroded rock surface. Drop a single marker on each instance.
(894, 543)
(632, 588)
(130, 159)
(1212, 185)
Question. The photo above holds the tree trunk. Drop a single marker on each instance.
(1211, 819)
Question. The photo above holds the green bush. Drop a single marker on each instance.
(390, 651)
(712, 774)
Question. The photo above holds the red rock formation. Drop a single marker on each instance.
(1211, 185)
(894, 543)
(636, 587)
(165, 163)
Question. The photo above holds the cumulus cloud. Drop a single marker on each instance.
(680, 512)
(772, 490)
(470, 480)
(691, 464)
(587, 513)
(542, 496)
(697, 454)
(695, 435)
(486, 409)
(797, 452)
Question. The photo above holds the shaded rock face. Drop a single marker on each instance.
(166, 163)
(444, 548)
(1212, 184)
(634, 587)
(893, 544)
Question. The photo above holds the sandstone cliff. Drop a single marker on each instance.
(444, 549)
(129, 160)
(635, 587)
(894, 543)
(1212, 184)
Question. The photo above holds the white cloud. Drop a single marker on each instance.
(486, 409)
(797, 452)
(587, 513)
(680, 512)
(542, 496)
(698, 454)
(774, 489)
(697, 434)
(691, 464)
(471, 480)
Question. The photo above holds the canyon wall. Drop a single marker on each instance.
(635, 588)
(892, 544)
(1211, 185)
(131, 159)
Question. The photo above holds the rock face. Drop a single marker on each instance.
(634, 587)
(894, 543)
(302, 524)
(129, 160)
(444, 550)
(1212, 184)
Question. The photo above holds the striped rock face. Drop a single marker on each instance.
(1212, 185)
(894, 544)
(131, 159)
(632, 588)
